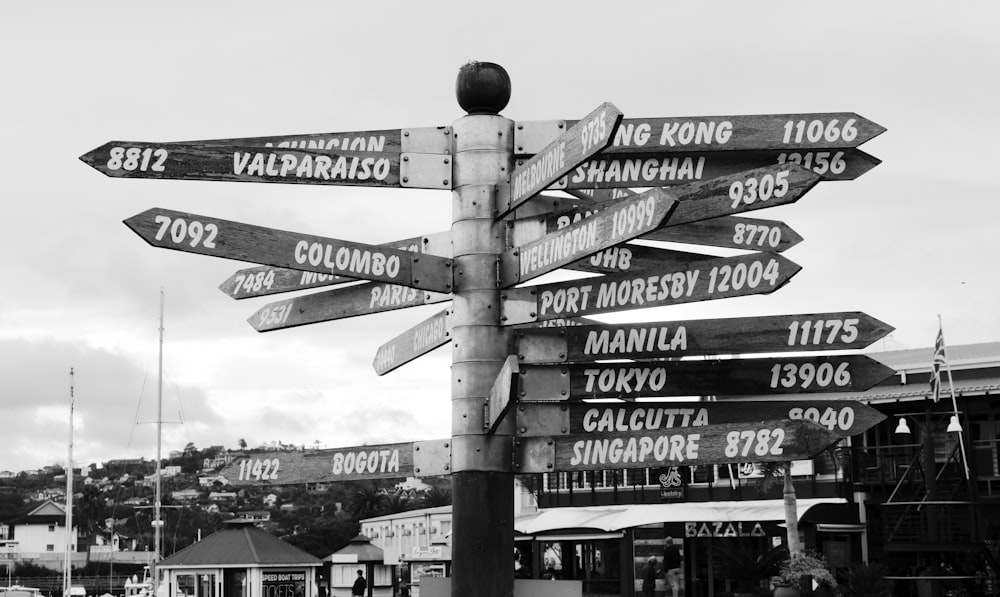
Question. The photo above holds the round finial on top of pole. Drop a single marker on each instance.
(482, 87)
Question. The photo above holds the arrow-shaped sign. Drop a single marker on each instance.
(719, 133)
(628, 257)
(435, 140)
(723, 277)
(264, 280)
(660, 171)
(340, 303)
(762, 441)
(501, 396)
(555, 160)
(732, 232)
(842, 417)
(193, 233)
(698, 337)
(383, 461)
(419, 340)
(624, 221)
(722, 377)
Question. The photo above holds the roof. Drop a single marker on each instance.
(240, 545)
(959, 356)
(409, 513)
(359, 549)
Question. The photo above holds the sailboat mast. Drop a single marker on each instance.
(67, 555)
(157, 522)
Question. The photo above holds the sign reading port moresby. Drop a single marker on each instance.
(843, 417)
(193, 233)
(383, 461)
(697, 337)
(760, 441)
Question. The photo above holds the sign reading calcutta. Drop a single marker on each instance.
(722, 377)
(842, 417)
(192, 233)
(661, 339)
(760, 441)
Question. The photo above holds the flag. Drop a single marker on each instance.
(936, 363)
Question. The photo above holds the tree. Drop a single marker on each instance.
(772, 471)
(243, 444)
(367, 501)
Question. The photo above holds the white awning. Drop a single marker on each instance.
(616, 518)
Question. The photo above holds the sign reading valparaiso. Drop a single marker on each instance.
(193, 233)
(759, 441)
(698, 337)
(382, 461)
(720, 133)
(718, 278)
(565, 152)
(842, 417)
(720, 377)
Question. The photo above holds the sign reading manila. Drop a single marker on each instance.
(721, 377)
(630, 218)
(382, 461)
(697, 337)
(192, 233)
(842, 417)
(723, 277)
(582, 140)
(833, 130)
(761, 441)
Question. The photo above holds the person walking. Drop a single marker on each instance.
(360, 584)
(672, 566)
(649, 577)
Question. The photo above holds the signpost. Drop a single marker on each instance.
(721, 377)
(718, 278)
(565, 152)
(192, 233)
(662, 339)
(383, 461)
(761, 441)
(842, 417)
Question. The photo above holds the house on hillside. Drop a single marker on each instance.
(39, 537)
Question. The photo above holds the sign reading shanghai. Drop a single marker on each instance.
(760, 441)
(718, 278)
(193, 233)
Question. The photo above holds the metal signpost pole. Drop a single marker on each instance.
(482, 478)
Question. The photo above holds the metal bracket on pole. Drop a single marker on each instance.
(530, 137)
(425, 171)
(432, 458)
(534, 455)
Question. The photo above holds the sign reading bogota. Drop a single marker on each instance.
(551, 163)
(383, 461)
(723, 277)
(659, 339)
(843, 417)
(234, 240)
(724, 377)
(761, 441)
(630, 218)
(725, 133)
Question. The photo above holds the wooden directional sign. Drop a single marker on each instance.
(720, 133)
(383, 461)
(842, 417)
(340, 303)
(732, 232)
(435, 140)
(565, 152)
(628, 257)
(722, 377)
(761, 441)
(501, 396)
(628, 219)
(234, 240)
(632, 171)
(697, 337)
(723, 277)
(263, 280)
(424, 337)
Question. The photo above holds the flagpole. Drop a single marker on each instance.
(954, 405)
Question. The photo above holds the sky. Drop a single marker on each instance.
(907, 242)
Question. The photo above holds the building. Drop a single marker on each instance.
(39, 537)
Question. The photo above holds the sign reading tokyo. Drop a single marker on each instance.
(843, 417)
(761, 441)
(659, 339)
(245, 242)
(725, 133)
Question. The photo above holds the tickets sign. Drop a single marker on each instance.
(204, 235)
(760, 441)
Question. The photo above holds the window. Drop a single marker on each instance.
(52, 528)
(50, 547)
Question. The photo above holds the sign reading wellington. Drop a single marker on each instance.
(234, 240)
(582, 140)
